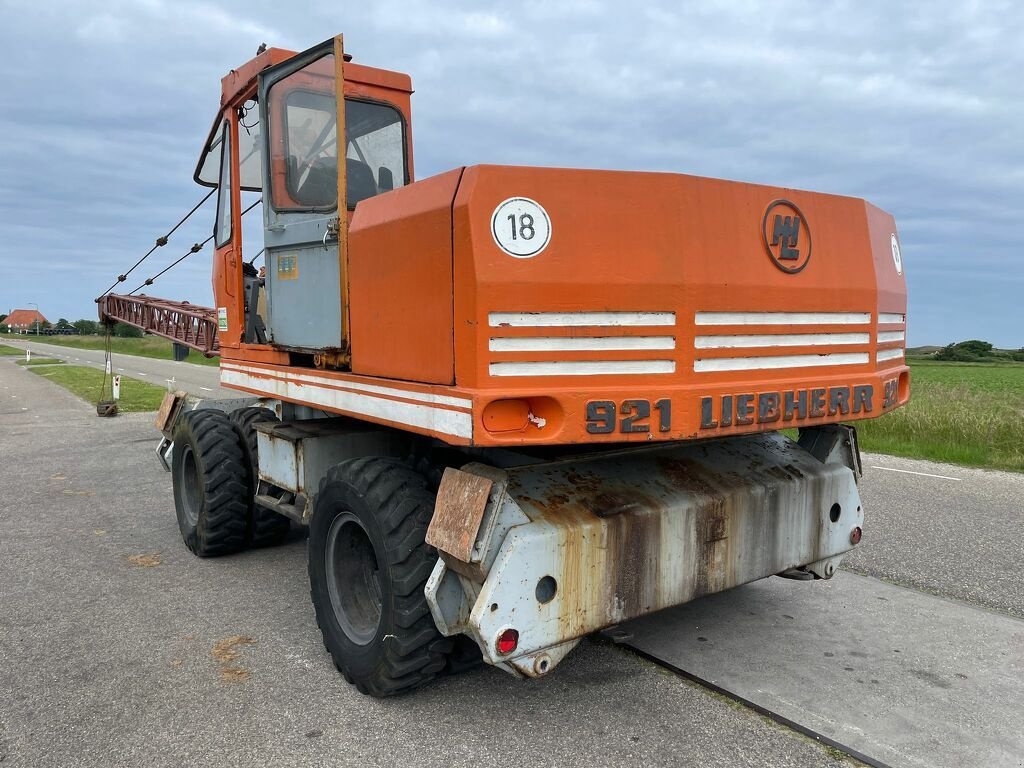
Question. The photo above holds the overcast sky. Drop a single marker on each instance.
(918, 107)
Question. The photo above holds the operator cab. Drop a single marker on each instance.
(292, 169)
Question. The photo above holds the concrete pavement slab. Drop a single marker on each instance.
(904, 677)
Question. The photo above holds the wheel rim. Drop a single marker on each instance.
(353, 579)
(192, 492)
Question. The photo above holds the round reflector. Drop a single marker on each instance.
(855, 535)
(507, 641)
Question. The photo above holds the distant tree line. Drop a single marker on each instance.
(976, 351)
(81, 327)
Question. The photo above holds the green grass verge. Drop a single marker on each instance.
(5, 350)
(40, 361)
(85, 382)
(962, 413)
(147, 346)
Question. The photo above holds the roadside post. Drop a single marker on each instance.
(115, 384)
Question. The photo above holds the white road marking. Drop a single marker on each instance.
(922, 474)
(141, 373)
(206, 389)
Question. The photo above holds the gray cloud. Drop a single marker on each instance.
(916, 106)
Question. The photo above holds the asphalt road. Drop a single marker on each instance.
(198, 380)
(946, 530)
(107, 662)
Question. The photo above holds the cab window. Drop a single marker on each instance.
(302, 108)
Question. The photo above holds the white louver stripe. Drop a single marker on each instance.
(891, 337)
(888, 354)
(593, 331)
(781, 340)
(579, 344)
(781, 361)
(582, 367)
(782, 318)
(835, 346)
(891, 317)
(578, 319)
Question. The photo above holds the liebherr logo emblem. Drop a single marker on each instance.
(786, 236)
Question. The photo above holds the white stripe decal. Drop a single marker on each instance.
(784, 361)
(888, 354)
(408, 394)
(782, 318)
(887, 336)
(457, 423)
(576, 319)
(582, 368)
(780, 340)
(579, 343)
(891, 317)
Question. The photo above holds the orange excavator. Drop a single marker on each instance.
(514, 405)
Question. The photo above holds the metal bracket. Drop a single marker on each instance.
(164, 451)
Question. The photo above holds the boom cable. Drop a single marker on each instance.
(160, 241)
(196, 247)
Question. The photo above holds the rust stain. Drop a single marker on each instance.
(227, 652)
(234, 674)
(461, 503)
(150, 560)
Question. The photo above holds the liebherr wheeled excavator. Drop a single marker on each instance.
(515, 405)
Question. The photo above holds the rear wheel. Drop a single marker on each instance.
(266, 527)
(210, 484)
(368, 564)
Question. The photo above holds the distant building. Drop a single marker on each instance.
(25, 321)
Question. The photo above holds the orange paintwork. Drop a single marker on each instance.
(400, 266)
(426, 274)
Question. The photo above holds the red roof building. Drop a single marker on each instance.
(25, 320)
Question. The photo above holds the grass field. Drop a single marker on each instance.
(963, 413)
(5, 350)
(40, 361)
(147, 346)
(85, 382)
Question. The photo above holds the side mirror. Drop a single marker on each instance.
(385, 179)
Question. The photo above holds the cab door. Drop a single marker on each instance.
(302, 106)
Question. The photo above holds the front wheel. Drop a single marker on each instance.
(210, 484)
(368, 565)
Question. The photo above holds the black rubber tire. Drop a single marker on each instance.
(376, 512)
(266, 527)
(210, 483)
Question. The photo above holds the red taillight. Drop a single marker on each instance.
(855, 535)
(507, 641)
